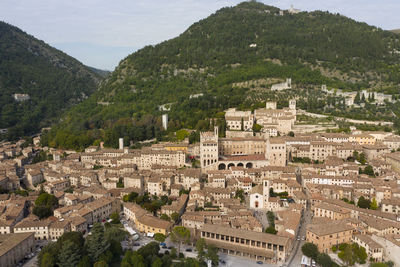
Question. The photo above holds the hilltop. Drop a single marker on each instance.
(215, 57)
(53, 81)
(396, 31)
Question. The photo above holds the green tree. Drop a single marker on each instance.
(212, 254)
(257, 128)
(359, 253)
(96, 244)
(357, 99)
(180, 235)
(165, 217)
(271, 218)
(369, 170)
(47, 260)
(100, 264)
(363, 203)
(362, 158)
(271, 230)
(84, 262)
(373, 205)
(347, 255)
(310, 250)
(157, 263)
(200, 246)
(240, 195)
(69, 255)
(175, 217)
(324, 260)
(159, 237)
(181, 135)
(114, 218)
(115, 233)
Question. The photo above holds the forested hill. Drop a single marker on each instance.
(53, 80)
(250, 41)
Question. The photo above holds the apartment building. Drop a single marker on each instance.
(14, 247)
(374, 250)
(326, 237)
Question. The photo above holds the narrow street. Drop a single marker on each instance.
(295, 257)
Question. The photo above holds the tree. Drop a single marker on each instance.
(165, 217)
(363, 203)
(159, 237)
(100, 264)
(357, 98)
(310, 250)
(324, 260)
(84, 262)
(271, 230)
(359, 253)
(369, 170)
(362, 159)
(115, 233)
(200, 246)
(271, 218)
(114, 218)
(257, 128)
(69, 255)
(157, 263)
(47, 260)
(240, 195)
(42, 212)
(175, 217)
(363, 98)
(181, 134)
(180, 234)
(373, 205)
(96, 244)
(212, 254)
(346, 255)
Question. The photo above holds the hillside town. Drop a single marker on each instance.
(256, 195)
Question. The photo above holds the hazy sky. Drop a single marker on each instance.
(100, 33)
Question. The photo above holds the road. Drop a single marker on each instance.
(295, 256)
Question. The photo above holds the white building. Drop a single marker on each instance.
(282, 86)
(165, 121)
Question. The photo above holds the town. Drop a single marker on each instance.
(269, 196)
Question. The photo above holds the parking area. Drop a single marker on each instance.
(31, 259)
(187, 250)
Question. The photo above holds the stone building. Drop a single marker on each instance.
(326, 237)
(14, 247)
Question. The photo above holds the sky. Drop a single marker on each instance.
(100, 33)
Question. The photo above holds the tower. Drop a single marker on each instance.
(209, 153)
(165, 121)
(292, 104)
(289, 83)
(266, 185)
(121, 143)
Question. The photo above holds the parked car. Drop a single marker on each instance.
(136, 244)
(260, 262)
(165, 247)
(189, 250)
(163, 244)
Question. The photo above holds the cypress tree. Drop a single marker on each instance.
(69, 255)
(96, 243)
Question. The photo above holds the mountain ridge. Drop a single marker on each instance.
(235, 44)
(54, 81)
